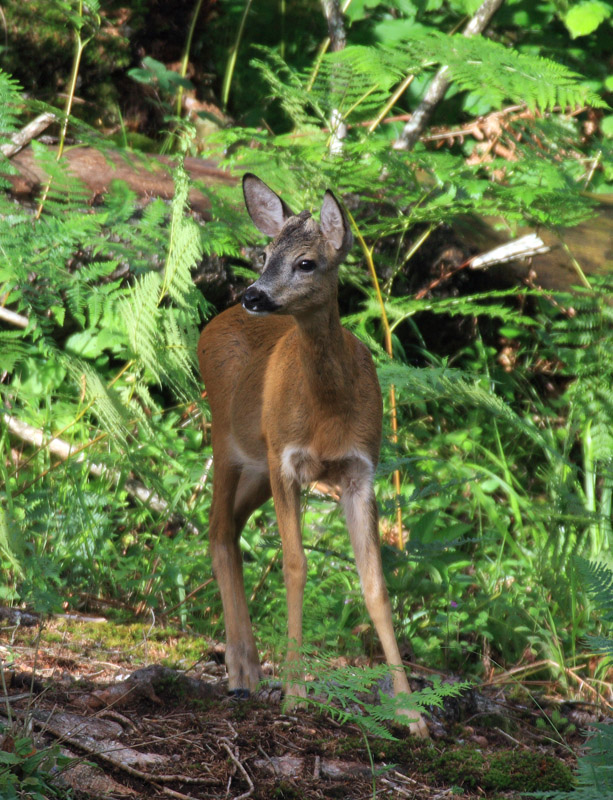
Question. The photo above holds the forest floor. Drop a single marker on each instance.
(134, 728)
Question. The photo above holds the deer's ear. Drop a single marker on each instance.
(268, 212)
(334, 223)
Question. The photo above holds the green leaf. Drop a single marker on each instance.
(584, 18)
(606, 126)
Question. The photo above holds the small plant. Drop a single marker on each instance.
(27, 769)
(595, 766)
(558, 722)
(29, 772)
(362, 696)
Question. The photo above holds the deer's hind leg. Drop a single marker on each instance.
(235, 497)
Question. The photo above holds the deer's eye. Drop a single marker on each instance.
(306, 265)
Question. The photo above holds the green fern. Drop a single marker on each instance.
(500, 74)
(363, 696)
(357, 80)
(595, 766)
(597, 579)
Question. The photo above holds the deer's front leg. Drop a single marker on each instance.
(360, 506)
(286, 495)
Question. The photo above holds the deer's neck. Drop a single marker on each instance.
(324, 357)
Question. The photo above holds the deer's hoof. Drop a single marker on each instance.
(419, 728)
(239, 694)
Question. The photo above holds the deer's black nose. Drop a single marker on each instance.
(257, 301)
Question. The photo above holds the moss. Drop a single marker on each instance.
(346, 745)
(134, 643)
(286, 791)
(464, 768)
(470, 768)
(527, 772)
(414, 753)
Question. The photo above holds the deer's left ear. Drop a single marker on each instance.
(334, 223)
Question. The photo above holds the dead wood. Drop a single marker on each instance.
(92, 780)
(15, 616)
(27, 133)
(150, 683)
(148, 176)
(99, 738)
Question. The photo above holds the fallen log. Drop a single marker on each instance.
(149, 176)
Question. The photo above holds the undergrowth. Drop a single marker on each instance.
(503, 482)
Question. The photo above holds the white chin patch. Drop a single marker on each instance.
(257, 313)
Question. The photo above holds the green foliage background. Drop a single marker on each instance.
(506, 473)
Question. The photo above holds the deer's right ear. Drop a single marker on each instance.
(268, 212)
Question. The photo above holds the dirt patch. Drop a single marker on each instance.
(153, 731)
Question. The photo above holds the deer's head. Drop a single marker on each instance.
(300, 264)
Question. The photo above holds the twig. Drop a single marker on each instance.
(123, 720)
(439, 85)
(226, 745)
(511, 738)
(406, 779)
(583, 684)
(233, 729)
(13, 318)
(397, 789)
(178, 795)
(27, 133)
(64, 451)
(187, 597)
(269, 759)
(507, 676)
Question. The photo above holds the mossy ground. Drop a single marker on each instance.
(138, 644)
(72, 658)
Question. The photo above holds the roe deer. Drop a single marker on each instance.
(294, 399)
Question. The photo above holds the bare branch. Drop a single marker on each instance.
(336, 27)
(439, 85)
(338, 39)
(63, 450)
(26, 134)
(13, 318)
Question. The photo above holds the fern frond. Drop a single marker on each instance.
(141, 321)
(598, 581)
(363, 696)
(500, 74)
(455, 387)
(356, 81)
(107, 407)
(10, 102)
(64, 189)
(184, 248)
(594, 769)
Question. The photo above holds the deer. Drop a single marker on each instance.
(294, 399)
